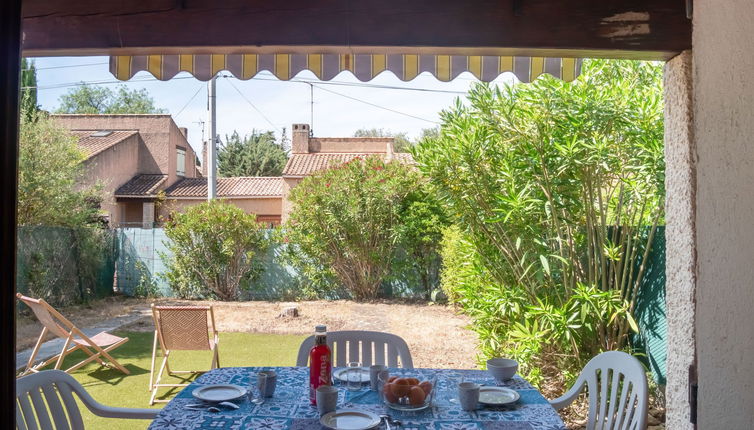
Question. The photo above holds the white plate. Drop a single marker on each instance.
(497, 396)
(219, 392)
(350, 419)
(342, 375)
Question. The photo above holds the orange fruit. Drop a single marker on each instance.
(400, 387)
(412, 381)
(416, 396)
(387, 390)
(426, 386)
(392, 378)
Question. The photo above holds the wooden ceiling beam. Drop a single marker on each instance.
(638, 29)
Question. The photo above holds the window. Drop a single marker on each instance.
(180, 167)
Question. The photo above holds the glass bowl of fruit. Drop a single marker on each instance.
(406, 392)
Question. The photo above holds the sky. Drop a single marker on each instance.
(266, 103)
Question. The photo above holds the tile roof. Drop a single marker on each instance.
(93, 145)
(259, 186)
(306, 164)
(141, 186)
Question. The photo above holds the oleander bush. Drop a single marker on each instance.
(213, 250)
(556, 190)
(359, 224)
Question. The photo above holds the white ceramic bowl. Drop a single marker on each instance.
(502, 369)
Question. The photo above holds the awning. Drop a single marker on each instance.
(326, 66)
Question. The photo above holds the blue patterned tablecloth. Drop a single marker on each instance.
(289, 408)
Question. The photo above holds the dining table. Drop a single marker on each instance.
(290, 408)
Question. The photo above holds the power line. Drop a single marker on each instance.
(66, 66)
(252, 104)
(379, 107)
(189, 101)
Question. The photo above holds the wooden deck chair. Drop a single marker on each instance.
(96, 347)
(181, 328)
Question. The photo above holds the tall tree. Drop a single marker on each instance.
(88, 99)
(49, 166)
(402, 142)
(28, 88)
(256, 154)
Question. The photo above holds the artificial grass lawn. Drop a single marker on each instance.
(113, 388)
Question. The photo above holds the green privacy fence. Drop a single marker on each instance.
(650, 310)
(140, 266)
(63, 265)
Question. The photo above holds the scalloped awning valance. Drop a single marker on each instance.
(364, 66)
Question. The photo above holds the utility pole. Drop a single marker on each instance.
(212, 140)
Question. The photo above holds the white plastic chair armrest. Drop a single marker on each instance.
(101, 410)
(566, 399)
(132, 413)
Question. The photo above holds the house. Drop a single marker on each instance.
(258, 195)
(134, 157)
(312, 154)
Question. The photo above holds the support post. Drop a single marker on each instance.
(10, 63)
(212, 140)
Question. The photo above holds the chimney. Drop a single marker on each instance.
(300, 139)
(184, 132)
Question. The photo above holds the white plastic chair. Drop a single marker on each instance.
(45, 390)
(366, 347)
(605, 375)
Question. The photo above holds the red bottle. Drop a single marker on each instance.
(320, 363)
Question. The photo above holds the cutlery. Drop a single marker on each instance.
(202, 408)
(389, 420)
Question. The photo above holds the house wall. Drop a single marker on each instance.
(131, 212)
(378, 145)
(258, 206)
(680, 265)
(287, 206)
(159, 133)
(723, 65)
(112, 168)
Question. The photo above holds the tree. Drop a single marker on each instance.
(28, 89)
(87, 99)
(401, 140)
(212, 247)
(422, 223)
(256, 154)
(346, 221)
(49, 166)
(559, 188)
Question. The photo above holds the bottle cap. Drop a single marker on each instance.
(320, 329)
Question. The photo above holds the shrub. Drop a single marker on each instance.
(344, 224)
(559, 189)
(213, 247)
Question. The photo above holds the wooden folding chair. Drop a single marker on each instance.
(181, 328)
(96, 347)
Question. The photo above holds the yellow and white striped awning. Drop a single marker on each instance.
(326, 66)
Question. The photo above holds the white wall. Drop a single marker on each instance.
(723, 64)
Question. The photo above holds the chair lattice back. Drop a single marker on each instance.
(184, 327)
(42, 311)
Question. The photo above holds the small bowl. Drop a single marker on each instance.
(502, 369)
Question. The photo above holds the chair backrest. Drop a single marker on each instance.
(618, 392)
(47, 316)
(44, 400)
(184, 327)
(366, 347)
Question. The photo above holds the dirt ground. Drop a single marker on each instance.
(436, 334)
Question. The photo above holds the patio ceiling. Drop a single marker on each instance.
(639, 29)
